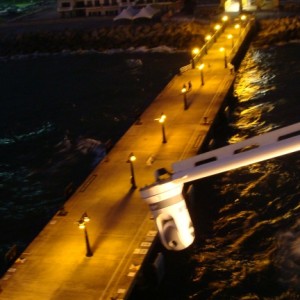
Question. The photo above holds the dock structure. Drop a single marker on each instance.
(102, 261)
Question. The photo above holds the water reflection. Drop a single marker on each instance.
(251, 250)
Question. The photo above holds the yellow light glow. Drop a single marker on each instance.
(225, 18)
(208, 37)
(132, 157)
(229, 36)
(217, 27)
(195, 51)
(81, 224)
(231, 6)
(162, 118)
(243, 17)
(222, 49)
(237, 26)
(201, 67)
(183, 90)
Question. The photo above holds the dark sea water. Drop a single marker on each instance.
(57, 112)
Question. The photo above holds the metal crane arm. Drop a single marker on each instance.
(259, 148)
(164, 196)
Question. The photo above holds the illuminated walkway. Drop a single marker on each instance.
(120, 230)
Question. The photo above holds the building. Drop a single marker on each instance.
(70, 8)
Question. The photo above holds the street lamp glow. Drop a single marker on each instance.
(131, 159)
(230, 37)
(225, 18)
(183, 91)
(161, 120)
(217, 27)
(201, 67)
(195, 51)
(82, 225)
(85, 218)
(208, 37)
(238, 27)
(222, 49)
(243, 17)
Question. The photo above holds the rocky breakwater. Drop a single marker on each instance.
(278, 30)
(181, 35)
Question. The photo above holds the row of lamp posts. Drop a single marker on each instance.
(84, 219)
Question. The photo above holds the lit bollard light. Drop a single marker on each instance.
(82, 225)
(131, 160)
(201, 67)
(230, 37)
(225, 21)
(184, 91)
(195, 52)
(161, 120)
(207, 39)
(222, 49)
(238, 27)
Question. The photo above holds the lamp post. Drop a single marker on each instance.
(161, 120)
(224, 20)
(195, 52)
(183, 91)
(222, 49)
(201, 67)
(217, 27)
(130, 160)
(238, 27)
(82, 225)
(243, 19)
(230, 37)
(207, 39)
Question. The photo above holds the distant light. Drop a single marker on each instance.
(195, 51)
(232, 6)
(81, 224)
(225, 18)
(162, 118)
(217, 27)
(229, 36)
(243, 17)
(132, 157)
(183, 90)
(201, 67)
(208, 37)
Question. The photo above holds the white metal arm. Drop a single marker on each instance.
(165, 199)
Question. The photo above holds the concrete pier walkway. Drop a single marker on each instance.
(121, 231)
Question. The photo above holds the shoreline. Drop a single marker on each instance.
(179, 34)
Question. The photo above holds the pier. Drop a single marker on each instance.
(96, 247)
